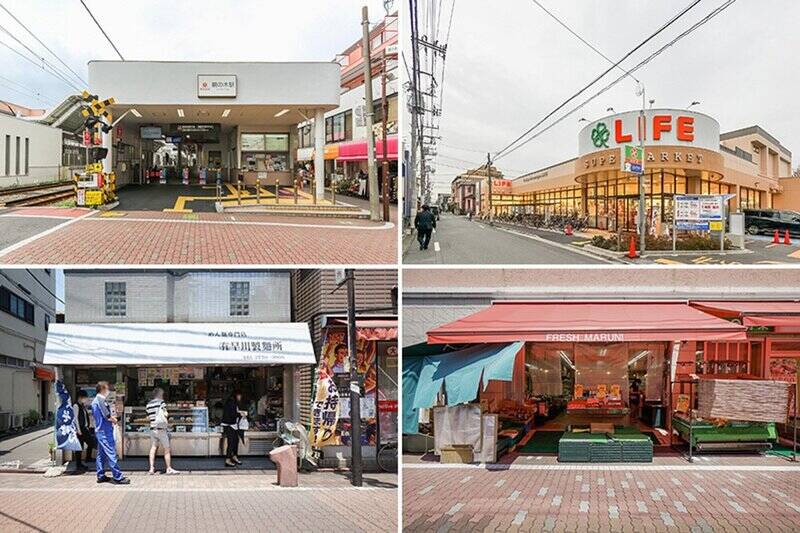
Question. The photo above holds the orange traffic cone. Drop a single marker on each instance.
(568, 229)
(776, 238)
(786, 239)
(632, 248)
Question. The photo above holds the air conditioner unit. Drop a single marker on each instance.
(17, 421)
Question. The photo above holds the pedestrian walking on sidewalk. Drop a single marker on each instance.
(104, 422)
(83, 426)
(159, 431)
(424, 223)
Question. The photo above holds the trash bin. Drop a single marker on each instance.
(285, 458)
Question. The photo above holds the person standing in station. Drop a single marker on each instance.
(104, 422)
(424, 223)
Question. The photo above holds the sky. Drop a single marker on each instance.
(201, 30)
(508, 67)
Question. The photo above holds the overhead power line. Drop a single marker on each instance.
(102, 30)
(670, 22)
(43, 66)
(581, 39)
(719, 9)
(24, 90)
(77, 76)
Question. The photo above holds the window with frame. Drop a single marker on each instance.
(116, 298)
(16, 306)
(239, 298)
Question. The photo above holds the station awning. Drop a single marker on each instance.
(754, 313)
(587, 322)
(460, 373)
(141, 344)
(357, 150)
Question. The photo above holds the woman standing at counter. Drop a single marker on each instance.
(230, 425)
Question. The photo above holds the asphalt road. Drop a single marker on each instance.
(459, 241)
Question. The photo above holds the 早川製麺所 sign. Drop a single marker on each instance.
(699, 208)
(216, 86)
(632, 159)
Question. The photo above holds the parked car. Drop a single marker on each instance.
(758, 221)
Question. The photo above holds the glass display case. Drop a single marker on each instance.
(188, 431)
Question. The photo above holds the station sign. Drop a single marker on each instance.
(216, 86)
(661, 127)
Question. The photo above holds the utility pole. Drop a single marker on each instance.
(372, 175)
(642, 214)
(385, 161)
(489, 180)
(356, 464)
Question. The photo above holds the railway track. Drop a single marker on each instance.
(36, 195)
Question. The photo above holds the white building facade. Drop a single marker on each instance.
(30, 153)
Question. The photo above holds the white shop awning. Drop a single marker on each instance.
(179, 344)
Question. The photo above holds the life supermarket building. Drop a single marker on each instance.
(685, 153)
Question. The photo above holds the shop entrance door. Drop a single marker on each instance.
(627, 208)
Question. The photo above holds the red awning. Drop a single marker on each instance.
(357, 150)
(44, 374)
(754, 313)
(587, 322)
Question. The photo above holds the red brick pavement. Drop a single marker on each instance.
(543, 497)
(196, 503)
(210, 238)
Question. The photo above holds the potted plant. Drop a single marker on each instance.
(51, 446)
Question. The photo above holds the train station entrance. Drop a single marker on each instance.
(197, 137)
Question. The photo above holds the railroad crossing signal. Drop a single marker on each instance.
(96, 112)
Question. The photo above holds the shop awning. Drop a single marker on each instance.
(371, 329)
(44, 373)
(357, 150)
(754, 313)
(586, 322)
(179, 344)
(460, 373)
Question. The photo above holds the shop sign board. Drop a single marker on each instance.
(632, 159)
(80, 197)
(145, 344)
(700, 208)
(662, 127)
(216, 86)
(93, 197)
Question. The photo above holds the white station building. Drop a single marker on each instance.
(218, 116)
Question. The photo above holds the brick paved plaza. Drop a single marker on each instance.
(538, 494)
(80, 236)
(325, 501)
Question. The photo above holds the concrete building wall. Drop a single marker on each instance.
(22, 344)
(43, 152)
(160, 296)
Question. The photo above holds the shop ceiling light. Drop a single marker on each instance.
(180, 113)
(226, 112)
(136, 113)
(281, 113)
(638, 356)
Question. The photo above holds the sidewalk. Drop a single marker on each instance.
(323, 501)
(26, 451)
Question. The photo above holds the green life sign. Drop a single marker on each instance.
(600, 135)
(632, 159)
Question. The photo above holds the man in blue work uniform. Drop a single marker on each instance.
(104, 431)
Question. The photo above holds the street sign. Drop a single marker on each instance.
(632, 158)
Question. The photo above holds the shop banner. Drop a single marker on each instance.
(139, 344)
(325, 414)
(66, 434)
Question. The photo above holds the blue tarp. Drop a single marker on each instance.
(459, 372)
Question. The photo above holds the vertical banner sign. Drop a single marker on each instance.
(632, 157)
(324, 413)
(87, 138)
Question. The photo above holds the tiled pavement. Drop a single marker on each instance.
(532, 495)
(324, 501)
(147, 237)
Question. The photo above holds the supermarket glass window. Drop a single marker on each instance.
(240, 298)
(16, 306)
(116, 298)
